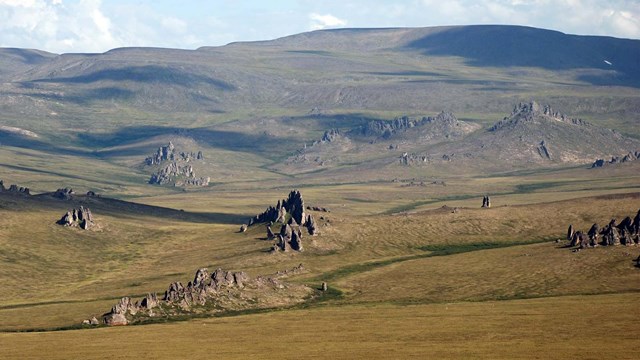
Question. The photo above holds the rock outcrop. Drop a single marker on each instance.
(209, 292)
(528, 111)
(290, 212)
(292, 206)
(164, 153)
(174, 167)
(80, 217)
(331, 135)
(570, 232)
(631, 156)
(627, 232)
(14, 189)
(64, 194)
(386, 129)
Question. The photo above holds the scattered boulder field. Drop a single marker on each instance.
(627, 232)
(210, 293)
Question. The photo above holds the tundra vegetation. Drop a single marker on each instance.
(373, 193)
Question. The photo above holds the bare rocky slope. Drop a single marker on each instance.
(538, 135)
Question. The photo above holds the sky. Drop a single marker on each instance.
(63, 26)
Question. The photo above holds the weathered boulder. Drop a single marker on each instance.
(311, 226)
(282, 244)
(570, 232)
(296, 240)
(117, 315)
(286, 231)
(593, 234)
(150, 301)
(610, 234)
(81, 217)
(579, 239)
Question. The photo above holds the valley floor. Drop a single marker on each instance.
(572, 327)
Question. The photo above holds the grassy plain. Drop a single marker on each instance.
(417, 279)
(584, 327)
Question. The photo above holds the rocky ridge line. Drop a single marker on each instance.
(14, 189)
(210, 293)
(631, 156)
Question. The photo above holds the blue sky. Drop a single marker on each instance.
(99, 25)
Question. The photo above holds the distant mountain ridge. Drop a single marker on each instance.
(255, 97)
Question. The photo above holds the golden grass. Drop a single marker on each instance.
(582, 327)
(132, 255)
(508, 273)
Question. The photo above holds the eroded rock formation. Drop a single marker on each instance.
(631, 156)
(292, 206)
(64, 194)
(386, 129)
(627, 232)
(290, 212)
(80, 217)
(174, 167)
(14, 189)
(210, 292)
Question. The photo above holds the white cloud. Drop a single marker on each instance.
(18, 3)
(319, 21)
(174, 25)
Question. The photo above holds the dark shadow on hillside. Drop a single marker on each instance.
(116, 208)
(506, 46)
(329, 121)
(259, 144)
(38, 144)
(145, 74)
(85, 97)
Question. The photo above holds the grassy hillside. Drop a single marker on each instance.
(415, 267)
